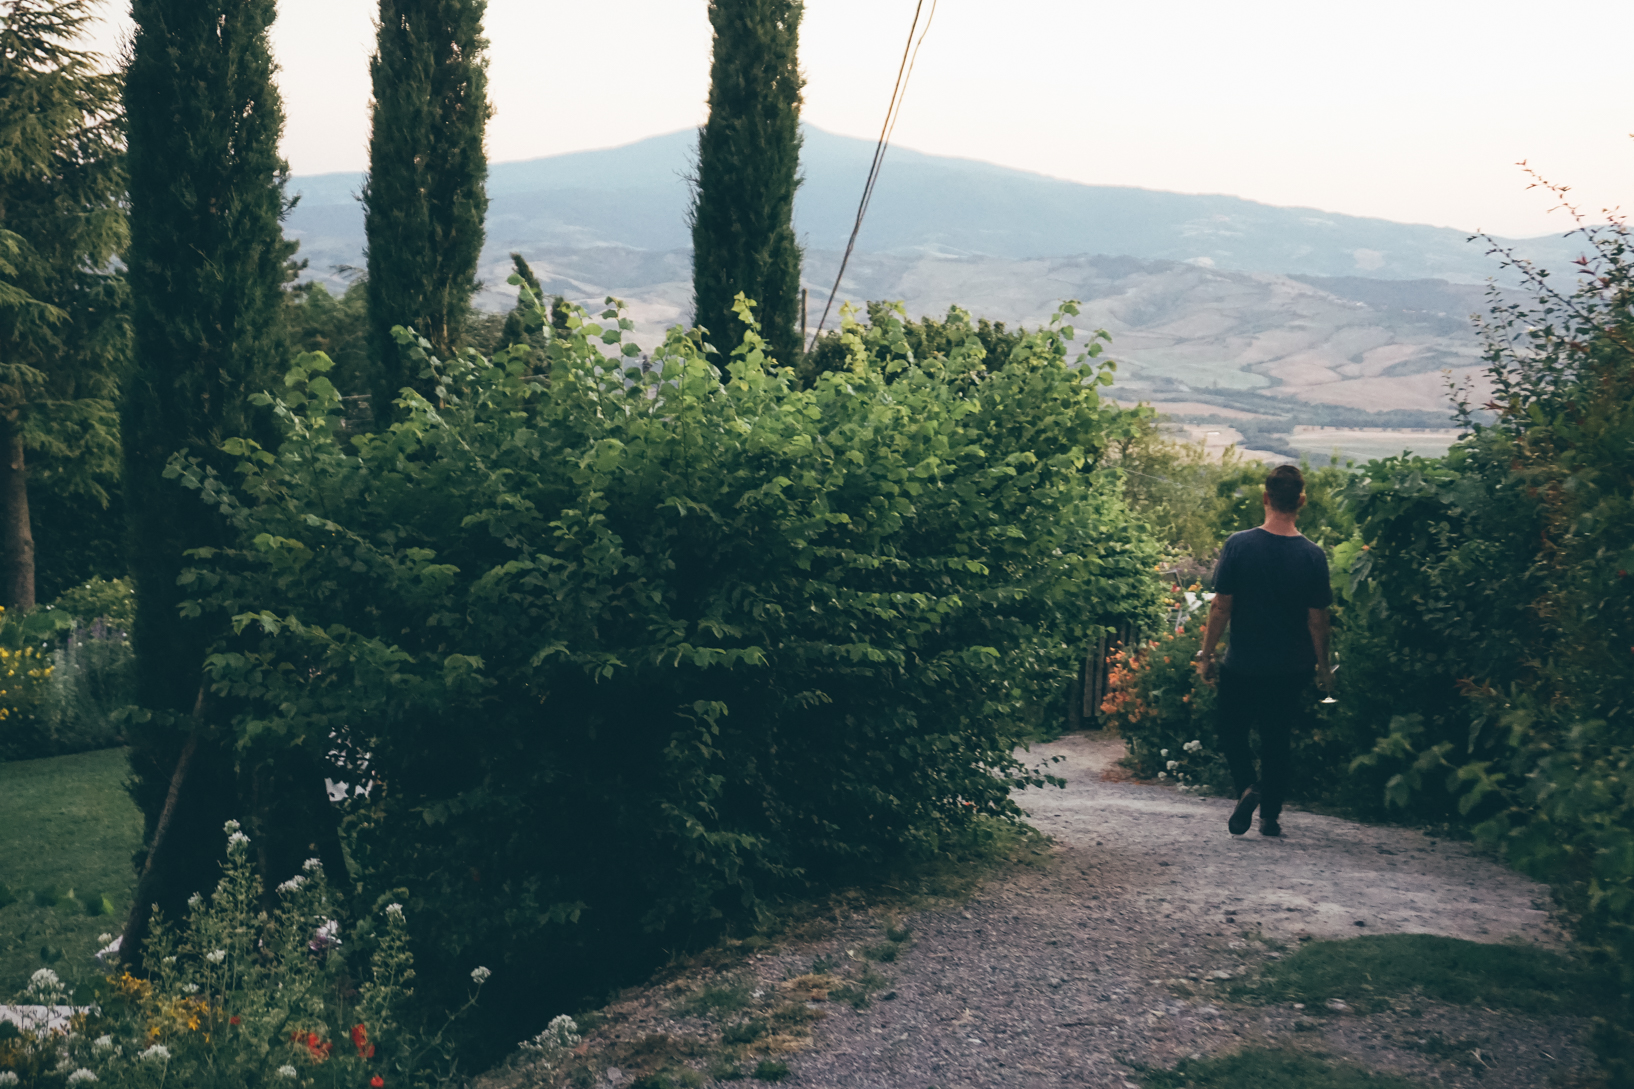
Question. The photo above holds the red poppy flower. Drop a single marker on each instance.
(377, 1081)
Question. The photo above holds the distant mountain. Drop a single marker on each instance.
(636, 197)
(1201, 293)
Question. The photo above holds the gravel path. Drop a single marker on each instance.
(1077, 972)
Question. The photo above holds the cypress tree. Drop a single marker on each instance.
(425, 195)
(742, 213)
(62, 323)
(207, 261)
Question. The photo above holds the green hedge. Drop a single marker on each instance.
(645, 643)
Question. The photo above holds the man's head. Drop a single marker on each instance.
(1285, 489)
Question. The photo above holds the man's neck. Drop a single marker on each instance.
(1281, 524)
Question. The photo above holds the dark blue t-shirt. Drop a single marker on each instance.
(1273, 581)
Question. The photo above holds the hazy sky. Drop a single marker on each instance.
(1413, 110)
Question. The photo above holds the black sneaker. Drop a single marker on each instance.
(1243, 815)
(1269, 826)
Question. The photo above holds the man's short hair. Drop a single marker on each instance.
(1284, 487)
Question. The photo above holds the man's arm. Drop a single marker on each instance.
(1317, 621)
(1219, 615)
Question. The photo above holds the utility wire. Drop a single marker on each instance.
(904, 72)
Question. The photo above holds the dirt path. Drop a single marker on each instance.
(1073, 974)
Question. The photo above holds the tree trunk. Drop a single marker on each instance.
(19, 533)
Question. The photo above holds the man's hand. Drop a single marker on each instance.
(1205, 668)
(1324, 679)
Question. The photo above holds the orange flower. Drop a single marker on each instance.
(360, 1040)
(318, 1049)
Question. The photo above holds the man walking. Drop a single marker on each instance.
(1271, 588)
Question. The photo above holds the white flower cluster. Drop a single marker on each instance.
(158, 1053)
(195, 900)
(44, 981)
(312, 865)
(237, 839)
(102, 1043)
(395, 910)
(81, 1076)
(1193, 746)
(479, 975)
(562, 1034)
(191, 988)
(230, 827)
(286, 1071)
(9, 1077)
(292, 884)
(216, 956)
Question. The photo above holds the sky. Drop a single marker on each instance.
(1411, 110)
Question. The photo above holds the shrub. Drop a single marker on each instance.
(243, 996)
(1164, 712)
(25, 679)
(71, 672)
(647, 642)
(112, 601)
(1493, 620)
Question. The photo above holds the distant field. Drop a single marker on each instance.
(1366, 444)
(69, 831)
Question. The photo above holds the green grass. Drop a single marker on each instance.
(1270, 1068)
(1369, 972)
(69, 827)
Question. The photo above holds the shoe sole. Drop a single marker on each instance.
(1243, 816)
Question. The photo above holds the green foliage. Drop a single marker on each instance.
(742, 213)
(1194, 503)
(69, 825)
(1270, 1068)
(1165, 713)
(925, 337)
(515, 330)
(1491, 599)
(1370, 972)
(113, 601)
(76, 536)
(339, 328)
(425, 195)
(245, 996)
(654, 598)
(63, 331)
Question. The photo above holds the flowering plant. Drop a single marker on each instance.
(240, 996)
(1164, 712)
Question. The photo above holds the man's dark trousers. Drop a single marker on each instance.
(1275, 704)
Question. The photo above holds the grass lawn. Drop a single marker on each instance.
(65, 862)
(1270, 1068)
(1369, 973)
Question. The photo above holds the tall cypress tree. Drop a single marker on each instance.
(207, 261)
(742, 214)
(426, 192)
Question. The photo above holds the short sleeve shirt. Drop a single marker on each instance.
(1274, 581)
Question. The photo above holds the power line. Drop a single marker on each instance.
(904, 72)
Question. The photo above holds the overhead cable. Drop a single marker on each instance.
(904, 72)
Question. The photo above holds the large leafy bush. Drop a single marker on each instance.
(644, 642)
(1494, 629)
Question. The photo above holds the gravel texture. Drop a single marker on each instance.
(1084, 970)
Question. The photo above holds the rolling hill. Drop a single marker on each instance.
(1200, 292)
